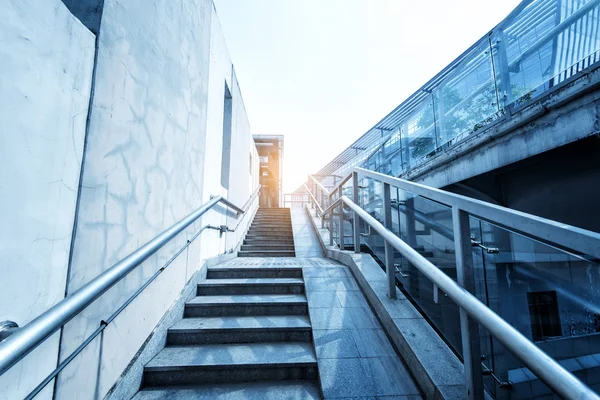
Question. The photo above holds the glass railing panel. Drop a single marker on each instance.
(467, 99)
(549, 295)
(546, 43)
(419, 133)
(427, 227)
(371, 200)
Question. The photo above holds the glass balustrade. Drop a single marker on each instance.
(541, 44)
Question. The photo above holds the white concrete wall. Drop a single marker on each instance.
(46, 62)
(241, 182)
(150, 161)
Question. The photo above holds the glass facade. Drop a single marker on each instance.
(541, 44)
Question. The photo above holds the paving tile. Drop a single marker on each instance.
(343, 318)
(390, 376)
(328, 284)
(335, 343)
(352, 299)
(372, 343)
(345, 377)
(335, 272)
(323, 299)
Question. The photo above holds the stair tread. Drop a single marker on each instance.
(251, 281)
(245, 322)
(268, 390)
(237, 354)
(261, 266)
(249, 299)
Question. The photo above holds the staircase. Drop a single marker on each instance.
(270, 234)
(246, 334)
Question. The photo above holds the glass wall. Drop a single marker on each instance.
(541, 44)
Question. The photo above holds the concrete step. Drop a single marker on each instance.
(251, 286)
(268, 390)
(253, 272)
(229, 363)
(286, 217)
(267, 253)
(254, 240)
(272, 213)
(269, 232)
(275, 245)
(215, 330)
(241, 305)
(279, 228)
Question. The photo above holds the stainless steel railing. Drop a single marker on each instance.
(472, 311)
(25, 339)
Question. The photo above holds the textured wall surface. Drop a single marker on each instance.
(46, 61)
(145, 168)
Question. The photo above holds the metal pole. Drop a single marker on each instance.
(543, 366)
(24, 340)
(389, 250)
(356, 219)
(411, 228)
(321, 199)
(341, 212)
(469, 329)
(330, 225)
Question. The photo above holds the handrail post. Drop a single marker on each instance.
(469, 329)
(330, 224)
(411, 233)
(356, 219)
(341, 212)
(389, 250)
(322, 207)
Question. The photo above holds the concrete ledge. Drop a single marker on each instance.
(130, 380)
(437, 371)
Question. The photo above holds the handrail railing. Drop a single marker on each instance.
(319, 184)
(560, 235)
(26, 339)
(314, 200)
(566, 236)
(543, 366)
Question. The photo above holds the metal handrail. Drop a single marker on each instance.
(543, 366)
(319, 208)
(340, 184)
(319, 184)
(26, 339)
(565, 236)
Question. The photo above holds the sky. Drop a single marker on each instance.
(323, 72)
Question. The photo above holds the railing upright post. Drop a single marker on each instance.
(411, 229)
(341, 212)
(389, 250)
(330, 224)
(321, 199)
(469, 329)
(356, 219)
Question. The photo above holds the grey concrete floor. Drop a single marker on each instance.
(354, 355)
(305, 239)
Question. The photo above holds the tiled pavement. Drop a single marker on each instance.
(354, 355)
(355, 358)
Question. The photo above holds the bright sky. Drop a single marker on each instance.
(323, 72)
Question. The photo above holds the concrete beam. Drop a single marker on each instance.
(567, 113)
